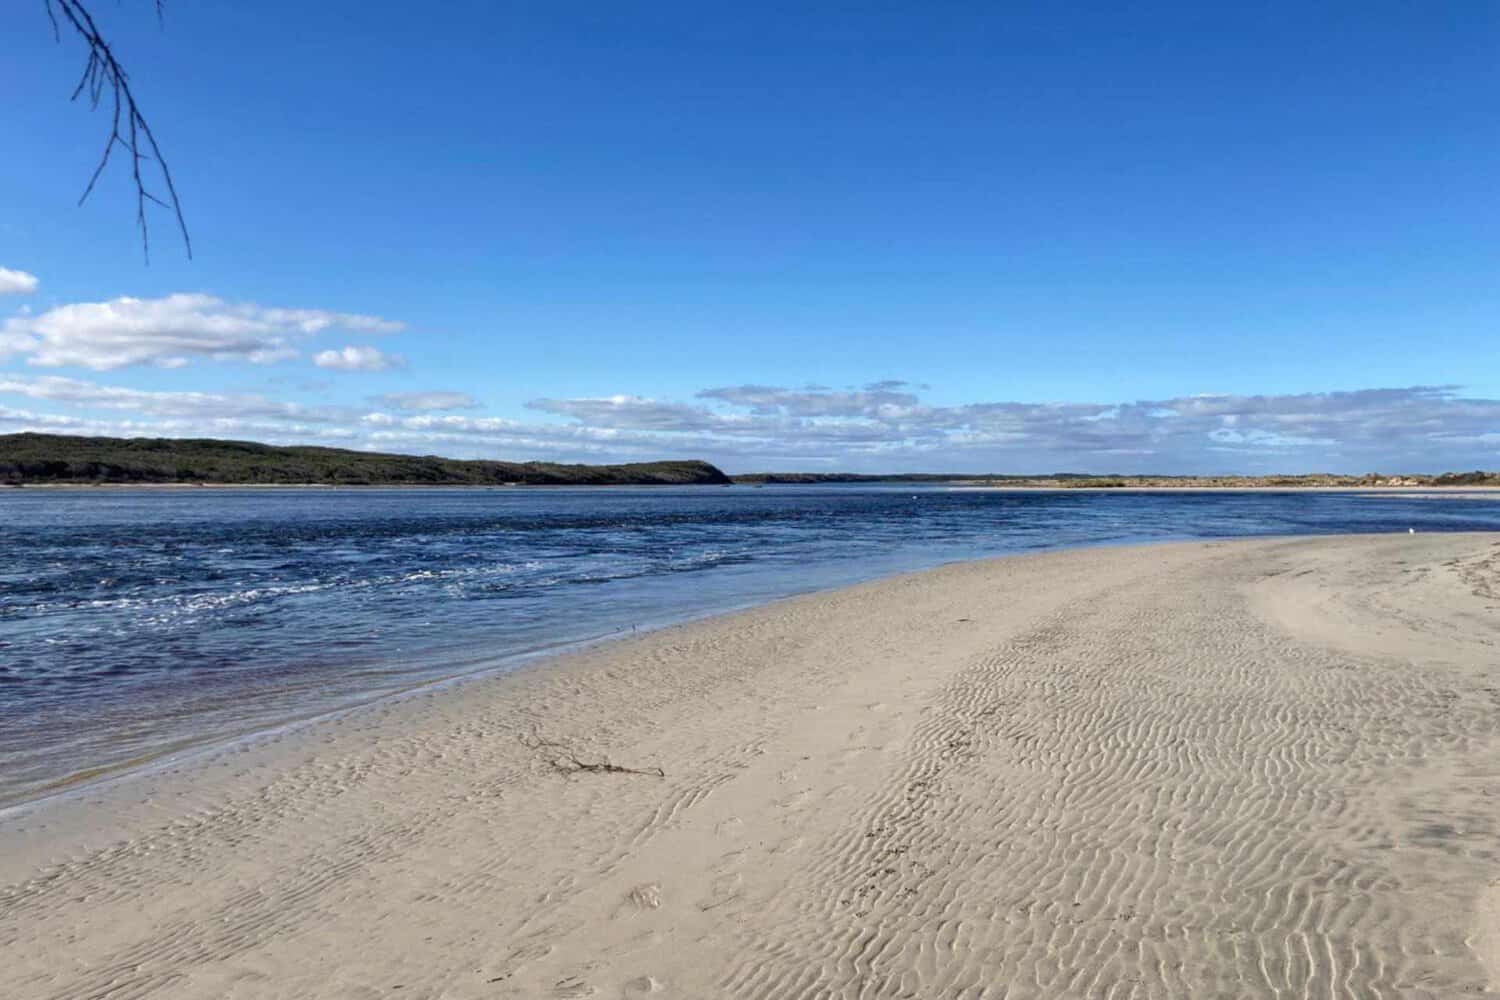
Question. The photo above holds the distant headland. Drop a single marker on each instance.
(56, 459)
(27, 459)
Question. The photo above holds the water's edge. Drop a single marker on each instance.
(139, 628)
(91, 780)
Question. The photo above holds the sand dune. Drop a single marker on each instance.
(1266, 768)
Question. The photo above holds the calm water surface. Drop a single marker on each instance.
(135, 623)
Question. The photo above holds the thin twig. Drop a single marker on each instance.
(562, 757)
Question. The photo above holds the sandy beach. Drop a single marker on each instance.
(1261, 768)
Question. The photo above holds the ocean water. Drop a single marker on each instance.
(139, 623)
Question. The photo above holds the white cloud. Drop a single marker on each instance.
(53, 423)
(205, 405)
(1422, 428)
(170, 332)
(885, 425)
(635, 412)
(427, 401)
(890, 397)
(357, 359)
(17, 282)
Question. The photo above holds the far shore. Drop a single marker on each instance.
(1228, 768)
(82, 487)
(1446, 491)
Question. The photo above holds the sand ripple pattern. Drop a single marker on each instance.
(1157, 795)
(1259, 769)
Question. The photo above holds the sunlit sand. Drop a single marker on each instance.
(1263, 768)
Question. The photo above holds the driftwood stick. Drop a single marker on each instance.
(564, 759)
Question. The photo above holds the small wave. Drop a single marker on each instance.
(465, 572)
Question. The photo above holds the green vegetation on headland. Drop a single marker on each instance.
(51, 458)
(38, 459)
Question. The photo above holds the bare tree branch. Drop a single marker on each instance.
(103, 75)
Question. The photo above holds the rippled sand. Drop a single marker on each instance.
(1264, 768)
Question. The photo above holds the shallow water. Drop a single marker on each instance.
(137, 622)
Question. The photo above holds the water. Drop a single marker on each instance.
(138, 622)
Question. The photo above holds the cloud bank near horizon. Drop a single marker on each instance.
(882, 426)
(879, 426)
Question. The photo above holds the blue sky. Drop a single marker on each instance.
(1163, 237)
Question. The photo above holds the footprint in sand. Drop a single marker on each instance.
(645, 897)
(794, 801)
(725, 889)
(524, 955)
(641, 899)
(573, 988)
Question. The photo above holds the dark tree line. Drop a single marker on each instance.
(104, 81)
(54, 458)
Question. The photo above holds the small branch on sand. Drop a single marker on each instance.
(564, 759)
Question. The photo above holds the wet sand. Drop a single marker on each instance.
(1250, 768)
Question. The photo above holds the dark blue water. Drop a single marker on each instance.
(138, 622)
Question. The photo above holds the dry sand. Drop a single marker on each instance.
(1266, 768)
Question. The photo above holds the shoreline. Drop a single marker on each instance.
(956, 485)
(187, 742)
(90, 779)
(96, 487)
(812, 741)
(195, 748)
